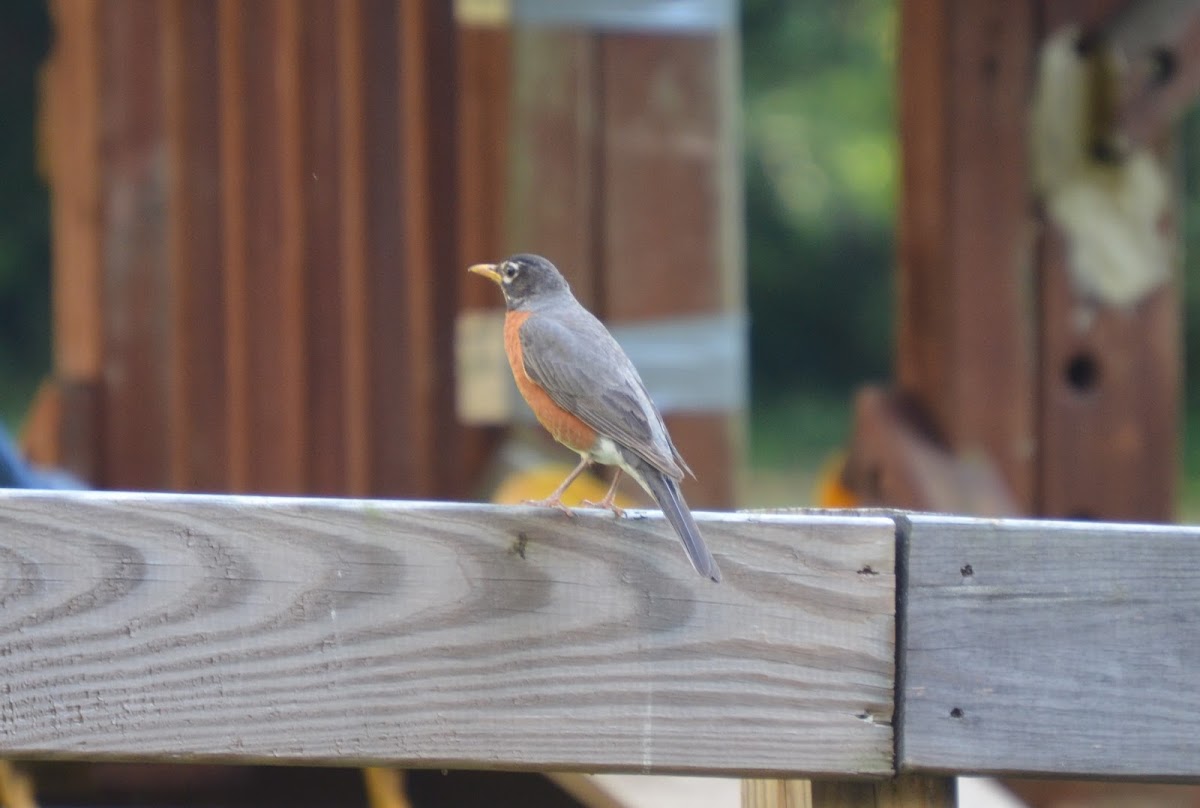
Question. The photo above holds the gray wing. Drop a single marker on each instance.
(584, 370)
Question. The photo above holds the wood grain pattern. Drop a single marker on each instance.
(133, 215)
(1050, 648)
(70, 138)
(197, 429)
(777, 794)
(905, 791)
(425, 634)
(326, 441)
(965, 326)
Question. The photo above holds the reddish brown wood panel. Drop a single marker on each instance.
(198, 429)
(263, 202)
(134, 215)
(965, 345)
(1110, 379)
(484, 116)
(70, 135)
(395, 464)
(322, 179)
(232, 81)
(274, 307)
(356, 379)
(437, 62)
(64, 427)
(554, 199)
(660, 179)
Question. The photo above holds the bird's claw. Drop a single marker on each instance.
(608, 505)
(551, 502)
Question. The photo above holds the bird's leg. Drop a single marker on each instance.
(555, 499)
(609, 498)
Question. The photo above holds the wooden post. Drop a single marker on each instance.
(265, 193)
(1110, 374)
(644, 228)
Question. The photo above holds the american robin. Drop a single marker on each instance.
(588, 395)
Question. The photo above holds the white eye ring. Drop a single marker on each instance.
(510, 271)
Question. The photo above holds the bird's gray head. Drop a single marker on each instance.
(525, 279)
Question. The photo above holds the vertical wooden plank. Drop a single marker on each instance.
(70, 132)
(905, 791)
(197, 423)
(966, 316)
(485, 82)
(484, 113)
(1110, 379)
(323, 96)
(231, 37)
(136, 291)
(663, 104)
(776, 794)
(397, 469)
(554, 194)
(290, 295)
(272, 248)
(353, 246)
(427, 434)
(440, 122)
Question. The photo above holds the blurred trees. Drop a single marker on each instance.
(24, 206)
(820, 157)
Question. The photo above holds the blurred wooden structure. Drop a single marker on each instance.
(262, 211)
(1018, 390)
(1003, 361)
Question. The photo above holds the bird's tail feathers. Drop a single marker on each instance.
(670, 499)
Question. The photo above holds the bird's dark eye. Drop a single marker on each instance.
(510, 271)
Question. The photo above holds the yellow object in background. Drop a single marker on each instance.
(831, 490)
(537, 482)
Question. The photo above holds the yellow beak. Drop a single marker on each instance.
(487, 271)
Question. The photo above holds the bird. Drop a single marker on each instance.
(586, 392)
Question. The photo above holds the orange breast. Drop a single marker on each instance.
(566, 428)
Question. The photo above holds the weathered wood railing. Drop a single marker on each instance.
(155, 627)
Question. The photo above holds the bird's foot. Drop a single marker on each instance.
(549, 502)
(608, 504)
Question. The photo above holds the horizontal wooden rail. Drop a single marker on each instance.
(154, 627)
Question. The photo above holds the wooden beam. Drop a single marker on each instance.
(197, 430)
(965, 342)
(155, 627)
(70, 139)
(136, 294)
(1106, 370)
(667, 103)
(1044, 648)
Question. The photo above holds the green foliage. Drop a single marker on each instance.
(24, 204)
(820, 189)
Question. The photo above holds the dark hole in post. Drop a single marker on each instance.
(956, 712)
(1082, 372)
(1165, 65)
